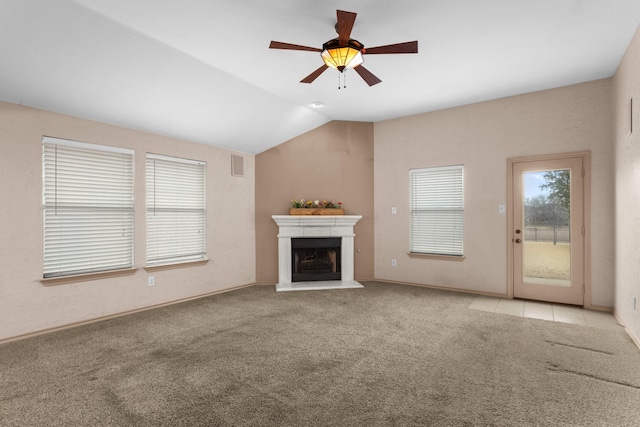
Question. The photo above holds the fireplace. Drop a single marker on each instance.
(315, 259)
(316, 252)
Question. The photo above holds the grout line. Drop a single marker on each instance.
(532, 313)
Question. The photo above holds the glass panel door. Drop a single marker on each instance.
(546, 236)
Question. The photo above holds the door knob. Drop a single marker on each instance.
(517, 231)
(518, 240)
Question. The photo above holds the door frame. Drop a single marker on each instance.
(586, 198)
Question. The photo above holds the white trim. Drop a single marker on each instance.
(175, 159)
(85, 145)
(291, 226)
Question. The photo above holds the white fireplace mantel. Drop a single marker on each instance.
(294, 226)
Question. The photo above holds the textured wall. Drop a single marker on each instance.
(482, 137)
(334, 161)
(626, 85)
(26, 305)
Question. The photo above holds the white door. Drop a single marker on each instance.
(548, 229)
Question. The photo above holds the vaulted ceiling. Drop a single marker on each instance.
(201, 70)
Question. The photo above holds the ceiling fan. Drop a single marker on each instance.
(344, 52)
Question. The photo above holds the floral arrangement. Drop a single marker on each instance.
(302, 203)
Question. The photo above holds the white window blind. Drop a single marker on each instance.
(437, 210)
(88, 207)
(176, 210)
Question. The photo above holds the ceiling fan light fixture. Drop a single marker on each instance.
(344, 52)
(341, 57)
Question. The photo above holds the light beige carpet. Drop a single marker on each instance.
(385, 355)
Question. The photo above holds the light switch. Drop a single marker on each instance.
(393, 210)
(502, 209)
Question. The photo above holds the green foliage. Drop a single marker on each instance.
(558, 183)
(302, 203)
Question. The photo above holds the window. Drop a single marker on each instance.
(176, 210)
(88, 207)
(437, 210)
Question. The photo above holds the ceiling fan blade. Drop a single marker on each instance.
(311, 77)
(406, 47)
(367, 76)
(289, 46)
(345, 25)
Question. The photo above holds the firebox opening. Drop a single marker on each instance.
(314, 259)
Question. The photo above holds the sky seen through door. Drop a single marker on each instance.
(532, 182)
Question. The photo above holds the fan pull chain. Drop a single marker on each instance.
(344, 79)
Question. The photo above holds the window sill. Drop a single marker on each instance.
(176, 265)
(458, 258)
(63, 280)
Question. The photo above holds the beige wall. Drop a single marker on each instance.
(26, 305)
(334, 161)
(337, 161)
(626, 84)
(482, 137)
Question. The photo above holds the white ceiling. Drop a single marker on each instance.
(201, 70)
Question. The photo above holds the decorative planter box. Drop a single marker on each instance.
(315, 211)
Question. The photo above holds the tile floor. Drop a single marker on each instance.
(546, 311)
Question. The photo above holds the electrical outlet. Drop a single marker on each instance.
(393, 263)
(151, 281)
(393, 210)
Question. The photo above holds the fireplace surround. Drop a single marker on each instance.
(316, 226)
